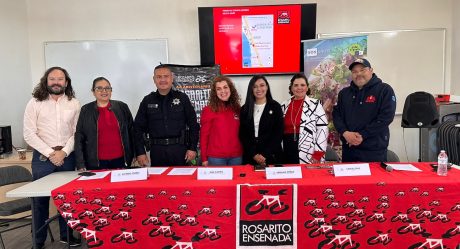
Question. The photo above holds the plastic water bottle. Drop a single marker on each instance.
(442, 163)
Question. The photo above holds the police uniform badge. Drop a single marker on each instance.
(176, 101)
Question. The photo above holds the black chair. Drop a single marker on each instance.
(11, 175)
(392, 157)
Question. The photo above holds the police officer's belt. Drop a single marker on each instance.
(166, 141)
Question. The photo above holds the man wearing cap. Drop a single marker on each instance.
(362, 115)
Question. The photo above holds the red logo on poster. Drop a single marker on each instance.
(284, 17)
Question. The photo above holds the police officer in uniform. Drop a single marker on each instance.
(165, 115)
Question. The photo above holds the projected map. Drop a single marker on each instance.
(257, 41)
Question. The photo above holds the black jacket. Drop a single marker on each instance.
(86, 134)
(166, 116)
(270, 134)
(369, 111)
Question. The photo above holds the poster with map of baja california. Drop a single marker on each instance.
(257, 41)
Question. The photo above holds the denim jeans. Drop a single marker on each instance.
(41, 204)
(224, 161)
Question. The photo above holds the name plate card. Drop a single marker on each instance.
(294, 172)
(127, 175)
(358, 169)
(215, 174)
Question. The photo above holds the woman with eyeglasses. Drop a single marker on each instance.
(104, 135)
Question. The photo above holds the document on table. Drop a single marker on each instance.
(98, 175)
(156, 170)
(403, 166)
(182, 171)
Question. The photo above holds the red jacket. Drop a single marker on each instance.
(219, 134)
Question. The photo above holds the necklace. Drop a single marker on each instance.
(296, 115)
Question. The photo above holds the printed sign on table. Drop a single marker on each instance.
(267, 216)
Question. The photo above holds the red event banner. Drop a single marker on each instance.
(257, 39)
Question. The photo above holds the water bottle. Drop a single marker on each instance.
(442, 163)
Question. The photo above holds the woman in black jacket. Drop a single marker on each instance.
(104, 134)
(261, 125)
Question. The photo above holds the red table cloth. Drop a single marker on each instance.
(398, 209)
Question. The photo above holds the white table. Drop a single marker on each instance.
(42, 188)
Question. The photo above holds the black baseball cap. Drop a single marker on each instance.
(361, 61)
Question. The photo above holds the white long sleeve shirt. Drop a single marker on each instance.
(50, 123)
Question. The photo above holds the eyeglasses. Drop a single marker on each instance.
(101, 89)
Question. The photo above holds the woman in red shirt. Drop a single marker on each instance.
(220, 122)
(104, 135)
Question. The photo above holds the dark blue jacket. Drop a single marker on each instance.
(369, 111)
(166, 117)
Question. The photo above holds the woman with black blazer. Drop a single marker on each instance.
(104, 134)
(261, 125)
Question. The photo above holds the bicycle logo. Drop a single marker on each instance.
(205, 210)
(424, 213)
(86, 213)
(383, 198)
(339, 241)
(452, 231)
(211, 191)
(383, 205)
(440, 189)
(376, 216)
(400, 216)
(150, 197)
(96, 201)
(415, 190)
(328, 191)
(67, 215)
(111, 198)
(130, 197)
(441, 217)
(314, 222)
(182, 207)
(165, 231)
(173, 197)
(329, 197)
(316, 212)
(339, 219)
(126, 236)
(333, 204)
(65, 206)
(122, 214)
(151, 219)
(81, 200)
(355, 225)
(103, 209)
(129, 204)
(174, 217)
(225, 212)
(271, 202)
(425, 193)
(429, 243)
(357, 212)
(323, 229)
(210, 233)
(59, 197)
(187, 193)
(163, 211)
(381, 238)
(90, 237)
(100, 223)
(414, 208)
(350, 191)
(180, 245)
(311, 202)
(349, 204)
(78, 192)
(364, 199)
(191, 220)
(434, 203)
(414, 228)
(456, 207)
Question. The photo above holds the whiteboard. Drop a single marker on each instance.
(408, 60)
(127, 64)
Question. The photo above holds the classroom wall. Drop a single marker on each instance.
(176, 20)
(15, 80)
(456, 48)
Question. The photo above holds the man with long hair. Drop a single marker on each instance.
(50, 120)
